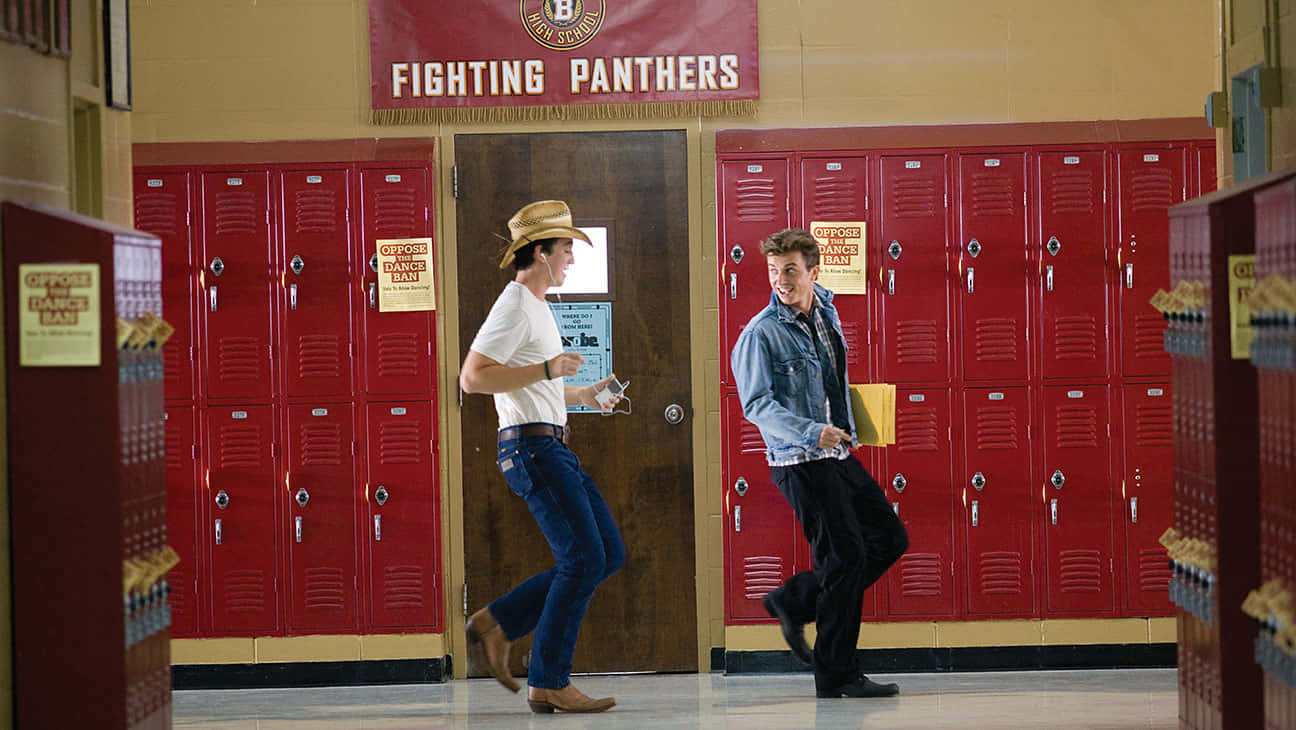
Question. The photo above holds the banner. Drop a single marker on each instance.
(841, 255)
(405, 271)
(561, 59)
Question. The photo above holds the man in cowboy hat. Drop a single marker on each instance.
(517, 356)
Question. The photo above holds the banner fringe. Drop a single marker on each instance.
(499, 114)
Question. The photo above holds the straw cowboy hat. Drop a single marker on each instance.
(538, 221)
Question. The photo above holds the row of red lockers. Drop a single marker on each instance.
(301, 420)
(1034, 480)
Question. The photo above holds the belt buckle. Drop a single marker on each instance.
(564, 434)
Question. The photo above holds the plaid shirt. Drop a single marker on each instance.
(823, 336)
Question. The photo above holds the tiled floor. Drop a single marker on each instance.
(1140, 698)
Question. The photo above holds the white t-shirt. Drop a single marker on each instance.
(520, 330)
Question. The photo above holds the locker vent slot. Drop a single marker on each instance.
(853, 349)
(398, 443)
(1071, 192)
(755, 201)
(239, 446)
(156, 213)
(920, 575)
(403, 587)
(321, 444)
(1153, 425)
(394, 213)
(993, 194)
(996, 428)
(834, 199)
(996, 339)
(236, 212)
(1151, 188)
(174, 460)
(1076, 338)
(244, 591)
(324, 589)
(1077, 427)
(317, 211)
(916, 198)
(916, 430)
(239, 358)
(398, 354)
(916, 341)
(761, 574)
(1001, 573)
(319, 356)
(749, 439)
(1148, 330)
(1079, 571)
(171, 365)
(178, 597)
(1153, 570)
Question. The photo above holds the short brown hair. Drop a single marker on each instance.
(792, 239)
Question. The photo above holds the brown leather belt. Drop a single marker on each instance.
(529, 430)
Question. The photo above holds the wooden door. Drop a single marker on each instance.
(644, 617)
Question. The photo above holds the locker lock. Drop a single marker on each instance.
(978, 481)
(381, 495)
(217, 266)
(1058, 478)
(974, 247)
(895, 250)
(1053, 245)
(736, 253)
(222, 499)
(373, 262)
(303, 496)
(899, 483)
(297, 264)
(740, 486)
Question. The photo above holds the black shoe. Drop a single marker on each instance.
(793, 632)
(862, 687)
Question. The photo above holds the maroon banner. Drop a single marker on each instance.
(503, 59)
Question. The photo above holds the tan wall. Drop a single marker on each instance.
(37, 96)
(299, 70)
(1249, 33)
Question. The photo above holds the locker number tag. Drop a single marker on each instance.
(393, 178)
(398, 411)
(913, 164)
(238, 415)
(319, 411)
(1075, 393)
(834, 166)
(992, 162)
(314, 179)
(155, 183)
(234, 181)
(1151, 158)
(996, 396)
(1071, 160)
(1156, 392)
(755, 168)
(917, 398)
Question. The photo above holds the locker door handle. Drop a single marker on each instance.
(1048, 277)
(733, 286)
(891, 282)
(377, 528)
(211, 295)
(299, 529)
(976, 516)
(218, 531)
(1129, 275)
(738, 518)
(971, 281)
(373, 295)
(292, 296)
(1053, 509)
(1134, 510)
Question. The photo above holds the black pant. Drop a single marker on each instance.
(855, 536)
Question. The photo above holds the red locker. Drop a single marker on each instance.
(1207, 175)
(315, 283)
(914, 269)
(182, 518)
(992, 290)
(761, 531)
(1148, 492)
(1072, 263)
(321, 516)
(997, 502)
(236, 283)
(918, 472)
(402, 516)
(241, 552)
(162, 208)
(836, 189)
(398, 345)
(1077, 501)
(753, 204)
(1150, 181)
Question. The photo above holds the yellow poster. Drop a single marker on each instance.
(405, 275)
(58, 315)
(841, 255)
(1241, 278)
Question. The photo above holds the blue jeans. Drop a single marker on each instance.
(586, 544)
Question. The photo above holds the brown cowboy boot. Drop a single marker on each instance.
(484, 630)
(567, 699)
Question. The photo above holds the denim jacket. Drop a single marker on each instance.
(780, 383)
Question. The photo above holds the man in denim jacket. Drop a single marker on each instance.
(790, 366)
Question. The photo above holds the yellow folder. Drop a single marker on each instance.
(873, 406)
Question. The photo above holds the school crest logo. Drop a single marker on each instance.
(562, 24)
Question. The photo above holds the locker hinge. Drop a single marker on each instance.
(191, 354)
(353, 448)
(272, 450)
(193, 451)
(946, 196)
(465, 598)
(454, 181)
(461, 398)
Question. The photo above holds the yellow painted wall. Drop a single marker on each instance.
(37, 96)
(1250, 33)
(230, 71)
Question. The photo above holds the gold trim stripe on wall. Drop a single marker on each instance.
(495, 114)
